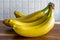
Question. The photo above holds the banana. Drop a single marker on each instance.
(34, 16)
(35, 30)
(18, 14)
(39, 20)
(32, 22)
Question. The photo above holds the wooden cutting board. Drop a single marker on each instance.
(7, 33)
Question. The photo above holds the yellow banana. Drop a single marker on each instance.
(33, 22)
(34, 16)
(36, 30)
(39, 20)
(18, 14)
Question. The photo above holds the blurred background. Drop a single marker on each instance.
(7, 7)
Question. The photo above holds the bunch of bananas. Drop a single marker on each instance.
(33, 25)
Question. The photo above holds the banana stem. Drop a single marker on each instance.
(51, 4)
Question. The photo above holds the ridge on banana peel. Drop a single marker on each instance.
(37, 30)
(18, 15)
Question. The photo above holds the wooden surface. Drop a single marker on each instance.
(7, 33)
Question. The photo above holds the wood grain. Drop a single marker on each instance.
(7, 33)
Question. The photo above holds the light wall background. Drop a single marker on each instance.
(7, 7)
